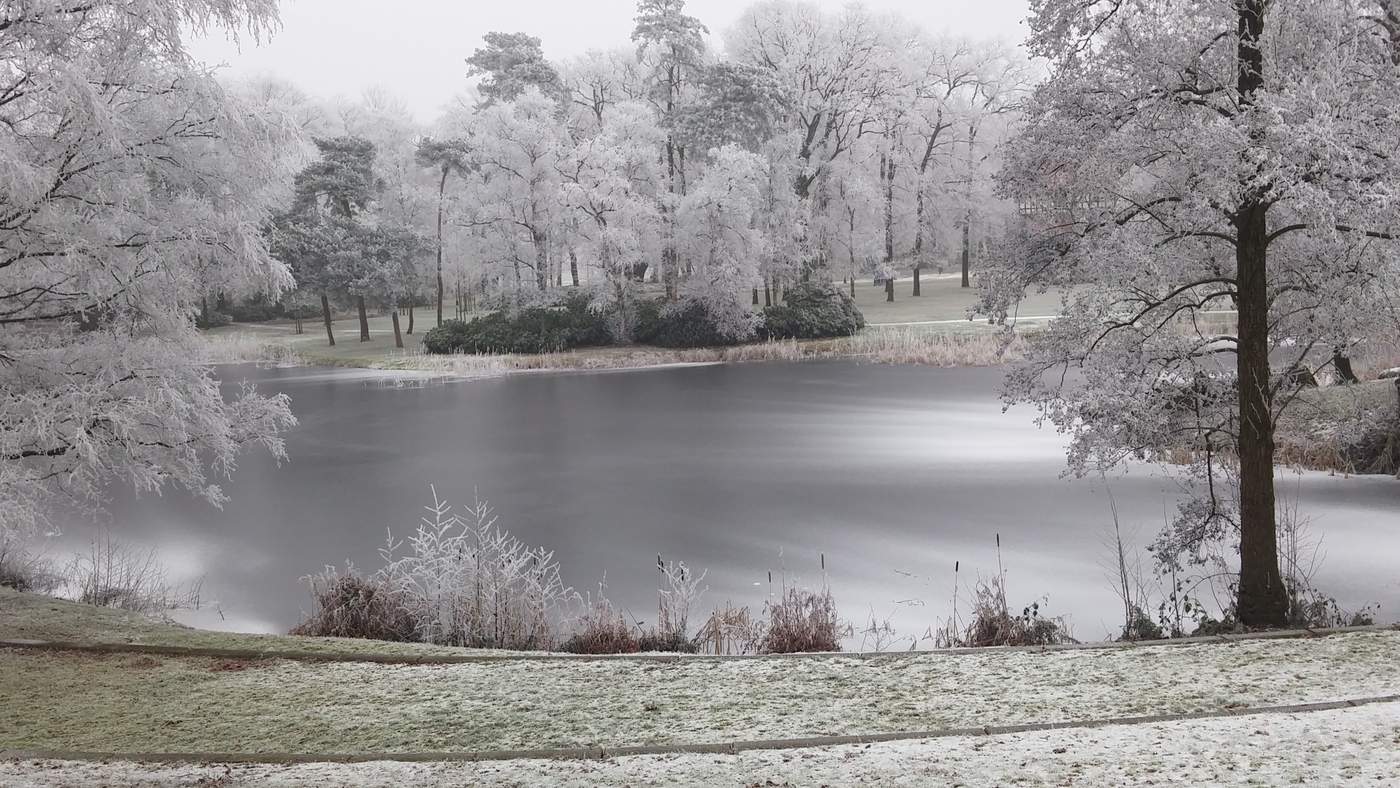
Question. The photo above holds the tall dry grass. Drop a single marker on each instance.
(910, 345)
(244, 348)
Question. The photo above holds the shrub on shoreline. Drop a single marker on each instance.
(802, 620)
(572, 323)
(814, 310)
(687, 324)
(349, 605)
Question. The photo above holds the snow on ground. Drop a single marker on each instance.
(1358, 746)
(133, 703)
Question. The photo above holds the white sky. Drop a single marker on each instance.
(416, 48)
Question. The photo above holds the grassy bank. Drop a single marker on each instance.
(1352, 746)
(35, 617)
(133, 703)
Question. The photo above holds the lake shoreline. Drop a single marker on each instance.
(889, 345)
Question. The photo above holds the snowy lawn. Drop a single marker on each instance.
(35, 617)
(1353, 746)
(134, 703)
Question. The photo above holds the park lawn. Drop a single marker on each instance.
(942, 298)
(130, 703)
(35, 617)
(1358, 746)
(311, 345)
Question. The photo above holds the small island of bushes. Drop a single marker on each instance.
(810, 310)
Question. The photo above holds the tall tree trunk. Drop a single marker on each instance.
(1263, 600)
(967, 248)
(889, 287)
(755, 296)
(364, 318)
(887, 173)
(767, 292)
(851, 257)
(398, 338)
(573, 267)
(442, 191)
(541, 261)
(326, 314)
(1342, 363)
(410, 317)
(918, 238)
(919, 226)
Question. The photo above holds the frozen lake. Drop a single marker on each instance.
(892, 472)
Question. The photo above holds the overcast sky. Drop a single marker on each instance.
(416, 48)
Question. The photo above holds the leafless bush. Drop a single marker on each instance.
(1300, 556)
(802, 620)
(679, 592)
(112, 574)
(467, 582)
(602, 629)
(26, 570)
(1129, 582)
(731, 631)
(992, 623)
(880, 635)
(349, 605)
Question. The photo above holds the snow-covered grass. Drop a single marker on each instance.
(35, 617)
(1358, 746)
(134, 703)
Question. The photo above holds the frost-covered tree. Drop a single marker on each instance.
(611, 180)
(718, 233)
(510, 64)
(944, 70)
(516, 148)
(131, 182)
(322, 236)
(1185, 157)
(853, 216)
(835, 68)
(445, 157)
(671, 48)
(597, 80)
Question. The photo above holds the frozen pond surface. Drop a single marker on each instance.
(893, 472)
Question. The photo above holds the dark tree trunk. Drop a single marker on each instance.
(967, 249)
(326, 314)
(755, 296)
(410, 317)
(919, 229)
(398, 338)
(1263, 600)
(364, 318)
(573, 267)
(767, 293)
(1342, 363)
(541, 261)
(442, 189)
(889, 288)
